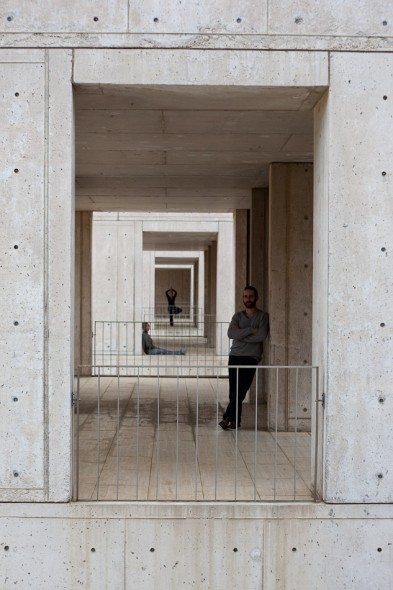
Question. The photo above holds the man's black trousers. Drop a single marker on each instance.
(239, 383)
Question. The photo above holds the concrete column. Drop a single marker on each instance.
(211, 295)
(240, 219)
(36, 275)
(290, 292)
(225, 281)
(259, 242)
(353, 288)
(201, 288)
(258, 276)
(82, 314)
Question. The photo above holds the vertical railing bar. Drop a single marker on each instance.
(95, 343)
(110, 347)
(217, 428)
(158, 433)
(137, 431)
(77, 433)
(177, 432)
(236, 422)
(316, 431)
(256, 434)
(103, 343)
(296, 424)
(98, 428)
(125, 325)
(276, 439)
(196, 435)
(118, 435)
(118, 343)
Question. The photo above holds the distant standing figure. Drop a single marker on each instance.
(148, 345)
(248, 330)
(171, 296)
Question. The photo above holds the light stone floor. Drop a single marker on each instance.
(153, 438)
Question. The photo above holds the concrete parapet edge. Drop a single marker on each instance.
(196, 510)
(195, 41)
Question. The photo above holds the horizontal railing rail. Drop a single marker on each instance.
(143, 438)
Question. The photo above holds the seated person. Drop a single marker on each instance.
(148, 346)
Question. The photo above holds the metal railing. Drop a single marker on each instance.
(205, 344)
(189, 313)
(140, 438)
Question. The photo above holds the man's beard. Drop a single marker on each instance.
(250, 304)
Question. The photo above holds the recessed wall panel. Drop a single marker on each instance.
(53, 16)
(331, 17)
(202, 16)
(22, 275)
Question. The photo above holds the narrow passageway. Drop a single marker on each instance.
(158, 439)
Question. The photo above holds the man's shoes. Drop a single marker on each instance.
(226, 425)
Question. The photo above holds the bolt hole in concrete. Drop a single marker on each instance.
(152, 549)
(16, 247)
(16, 170)
(381, 400)
(385, 97)
(384, 22)
(384, 173)
(379, 549)
(16, 323)
(380, 476)
(16, 93)
(382, 324)
(383, 249)
(9, 18)
(6, 548)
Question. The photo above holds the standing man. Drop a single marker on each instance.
(248, 329)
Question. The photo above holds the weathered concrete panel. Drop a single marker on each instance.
(199, 67)
(195, 545)
(328, 554)
(22, 280)
(54, 16)
(203, 16)
(354, 190)
(194, 554)
(61, 553)
(331, 17)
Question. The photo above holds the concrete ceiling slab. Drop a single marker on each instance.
(177, 240)
(185, 148)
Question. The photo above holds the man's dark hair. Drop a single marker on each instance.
(251, 288)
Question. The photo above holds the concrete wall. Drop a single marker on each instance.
(152, 546)
(353, 315)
